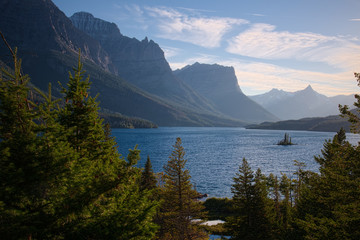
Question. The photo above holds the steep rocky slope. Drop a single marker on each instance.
(141, 63)
(48, 44)
(220, 86)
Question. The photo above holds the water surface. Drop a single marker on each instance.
(214, 154)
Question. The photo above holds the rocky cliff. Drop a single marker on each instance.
(37, 26)
(220, 86)
(48, 44)
(141, 63)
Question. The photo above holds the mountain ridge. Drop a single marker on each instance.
(49, 44)
(220, 86)
(301, 104)
(142, 63)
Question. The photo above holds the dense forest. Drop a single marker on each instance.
(63, 178)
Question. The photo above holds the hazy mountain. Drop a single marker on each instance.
(48, 43)
(331, 123)
(301, 104)
(220, 86)
(141, 63)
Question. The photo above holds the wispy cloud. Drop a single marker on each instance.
(355, 19)
(255, 77)
(258, 15)
(263, 41)
(170, 51)
(207, 32)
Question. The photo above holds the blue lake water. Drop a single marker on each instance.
(214, 154)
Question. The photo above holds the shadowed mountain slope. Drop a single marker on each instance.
(48, 44)
(141, 63)
(220, 86)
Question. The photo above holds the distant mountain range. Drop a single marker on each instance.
(132, 76)
(320, 124)
(301, 104)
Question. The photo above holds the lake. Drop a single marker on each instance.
(214, 154)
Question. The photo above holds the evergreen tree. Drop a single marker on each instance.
(180, 206)
(286, 207)
(329, 205)
(353, 118)
(61, 175)
(103, 185)
(148, 179)
(24, 170)
(251, 206)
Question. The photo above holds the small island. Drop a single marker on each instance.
(286, 141)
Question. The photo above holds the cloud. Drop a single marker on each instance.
(263, 41)
(256, 77)
(355, 19)
(170, 51)
(207, 32)
(258, 15)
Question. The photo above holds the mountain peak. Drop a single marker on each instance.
(145, 40)
(95, 27)
(83, 14)
(309, 88)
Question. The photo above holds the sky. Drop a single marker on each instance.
(283, 44)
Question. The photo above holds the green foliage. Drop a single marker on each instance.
(353, 118)
(179, 200)
(148, 179)
(61, 175)
(218, 208)
(250, 204)
(329, 204)
(117, 120)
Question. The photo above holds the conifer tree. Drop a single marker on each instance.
(103, 185)
(285, 189)
(22, 171)
(148, 179)
(251, 218)
(61, 175)
(329, 205)
(243, 192)
(180, 206)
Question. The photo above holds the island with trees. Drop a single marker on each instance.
(286, 141)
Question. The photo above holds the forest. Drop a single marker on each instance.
(63, 178)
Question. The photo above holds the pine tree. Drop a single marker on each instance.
(103, 186)
(180, 206)
(353, 118)
(148, 179)
(251, 218)
(286, 207)
(61, 175)
(329, 206)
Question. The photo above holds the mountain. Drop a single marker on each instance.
(141, 63)
(48, 44)
(301, 104)
(220, 86)
(320, 124)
